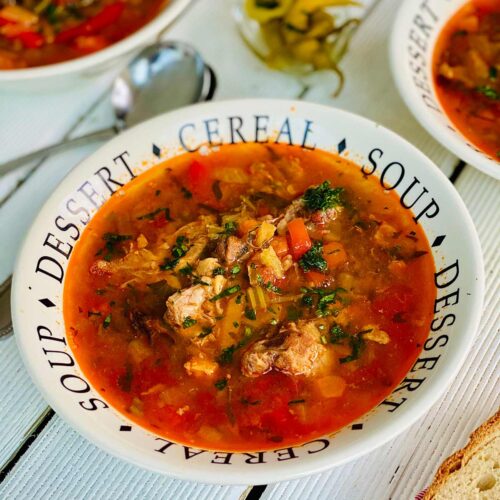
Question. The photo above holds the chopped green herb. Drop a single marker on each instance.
(186, 193)
(238, 299)
(246, 401)
(357, 344)
(217, 190)
(296, 401)
(188, 322)
(152, 215)
(186, 270)
(337, 334)
(250, 313)
(493, 73)
(178, 250)
(221, 384)
(488, 92)
(112, 240)
(226, 293)
(230, 228)
(274, 322)
(323, 197)
(206, 330)
(125, 380)
(219, 271)
(307, 300)
(248, 331)
(236, 324)
(313, 258)
(236, 269)
(107, 321)
(158, 192)
(226, 356)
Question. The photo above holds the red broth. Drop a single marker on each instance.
(467, 73)
(40, 33)
(316, 292)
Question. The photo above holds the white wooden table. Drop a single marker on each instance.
(41, 457)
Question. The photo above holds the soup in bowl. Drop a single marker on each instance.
(273, 289)
(445, 62)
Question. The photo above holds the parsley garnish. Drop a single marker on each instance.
(219, 271)
(337, 334)
(178, 250)
(226, 293)
(206, 330)
(221, 384)
(296, 401)
(235, 269)
(250, 314)
(357, 344)
(112, 239)
(313, 258)
(154, 213)
(188, 322)
(107, 321)
(323, 197)
(230, 228)
(488, 92)
(186, 193)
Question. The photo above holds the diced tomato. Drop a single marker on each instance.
(396, 300)
(334, 254)
(298, 238)
(31, 40)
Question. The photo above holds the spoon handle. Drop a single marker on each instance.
(100, 135)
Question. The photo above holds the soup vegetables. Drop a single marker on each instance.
(243, 305)
(34, 33)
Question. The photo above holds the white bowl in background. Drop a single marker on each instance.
(114, 57)
(415, 32)
(37, 299)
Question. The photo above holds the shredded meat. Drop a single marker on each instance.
(233, 249)
(194, 302)
(297, 351)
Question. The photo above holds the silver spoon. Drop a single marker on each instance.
(164, 76)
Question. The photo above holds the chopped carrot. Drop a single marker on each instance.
(334, 254)
(315, 279)
(299, 239)
(280, 245)
(246, 226)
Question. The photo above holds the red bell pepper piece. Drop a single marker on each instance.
(31, 40)
(105, 18)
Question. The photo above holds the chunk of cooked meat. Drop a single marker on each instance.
(233, 249)
(194, 302)
(206, 267)
(297, 352)
(200, 365)
(376, 335)
(293, 210)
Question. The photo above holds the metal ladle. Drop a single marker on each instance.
(164, 76)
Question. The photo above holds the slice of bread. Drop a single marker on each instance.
(472, 473)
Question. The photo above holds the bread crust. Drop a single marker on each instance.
(478, 439)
